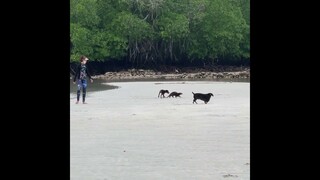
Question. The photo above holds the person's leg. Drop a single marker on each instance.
(84, 91)
(78, 91)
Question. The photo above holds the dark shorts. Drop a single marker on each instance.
(82, 83)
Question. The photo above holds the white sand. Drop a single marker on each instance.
(131, 134)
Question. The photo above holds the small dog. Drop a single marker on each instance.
(162, 92)
(203, 97)
(174, 94)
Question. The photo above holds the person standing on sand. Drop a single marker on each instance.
(81, 74)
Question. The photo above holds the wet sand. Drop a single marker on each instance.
(130, 133)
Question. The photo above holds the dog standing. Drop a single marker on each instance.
(162, 92)
(203, 97)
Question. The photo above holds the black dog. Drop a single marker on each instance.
(174, 94)
(203, 97)
(162, 92)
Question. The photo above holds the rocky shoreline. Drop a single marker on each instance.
(199, 74)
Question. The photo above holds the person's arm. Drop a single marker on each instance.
(77, 74)
(87, 71)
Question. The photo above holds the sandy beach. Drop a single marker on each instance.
(128, 133)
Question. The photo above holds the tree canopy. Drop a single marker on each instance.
(160, 31)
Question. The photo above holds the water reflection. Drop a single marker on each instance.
(100, 84)
(97, 85)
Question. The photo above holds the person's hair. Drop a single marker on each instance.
(82, 58)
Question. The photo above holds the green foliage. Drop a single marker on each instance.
(81, 39)
(173, 26)
(160, 30)
(129, 26)
(84, 12)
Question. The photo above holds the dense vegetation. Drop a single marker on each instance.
(148, 33)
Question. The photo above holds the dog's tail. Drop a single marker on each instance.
(192, 92)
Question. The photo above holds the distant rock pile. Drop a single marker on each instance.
(138, 74)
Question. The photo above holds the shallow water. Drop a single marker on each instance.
(101, 84)
(97, 85)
